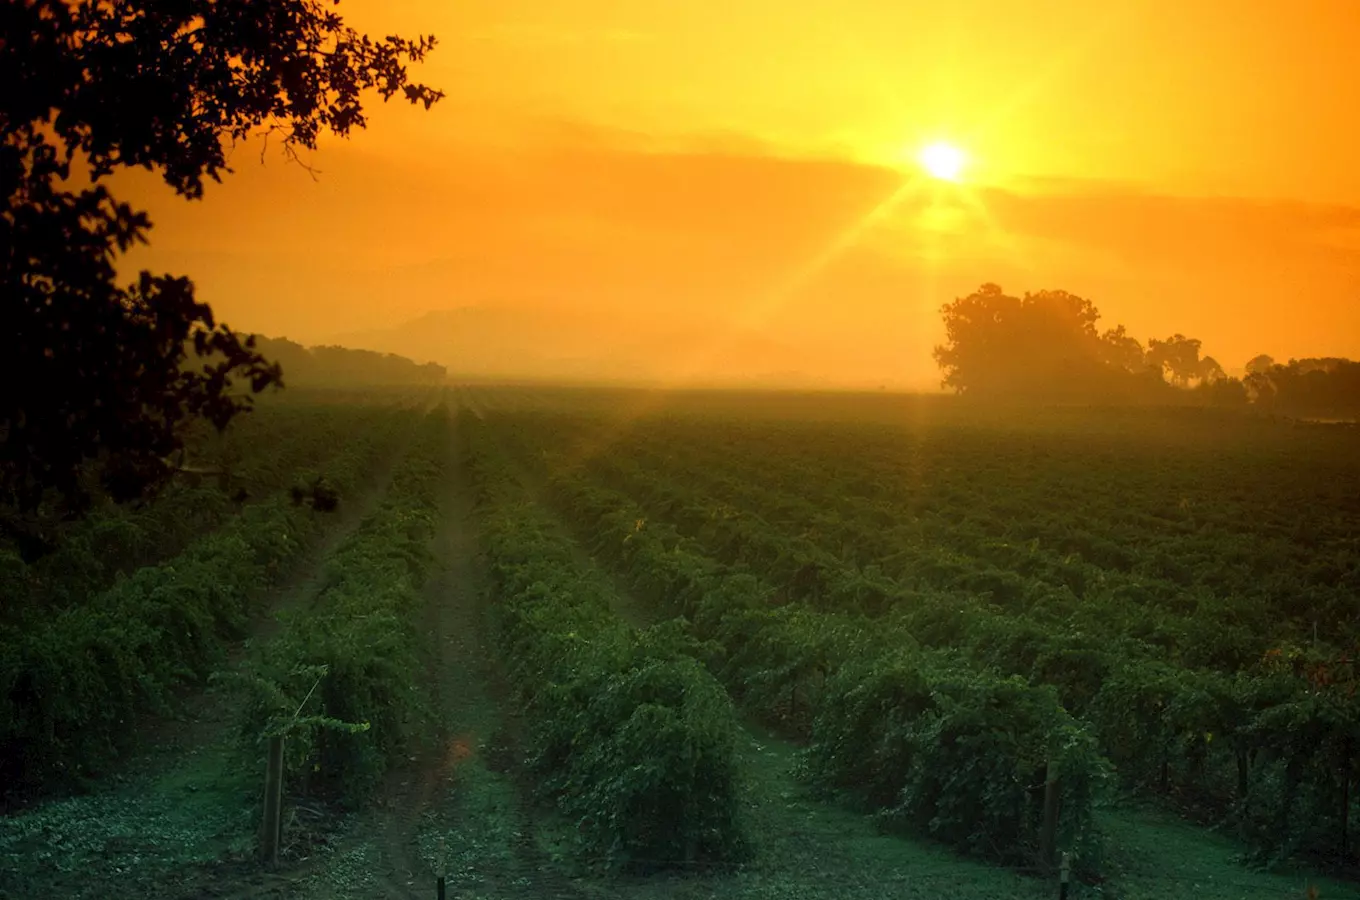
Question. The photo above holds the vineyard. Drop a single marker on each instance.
(983, 627)
(615, 644)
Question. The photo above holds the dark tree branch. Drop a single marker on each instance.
(100, 378)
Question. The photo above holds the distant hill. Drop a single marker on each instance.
(510, 343)
(335, 366)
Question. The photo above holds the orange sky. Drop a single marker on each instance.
(680, 187)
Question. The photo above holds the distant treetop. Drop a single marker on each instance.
(1042, 345)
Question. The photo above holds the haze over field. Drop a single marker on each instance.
(731, 192)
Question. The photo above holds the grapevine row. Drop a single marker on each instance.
(925, 739)
(73, 684)
(339, 680)
(632, 738)
(1268, 744)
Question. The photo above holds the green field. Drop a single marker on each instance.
(627, 644)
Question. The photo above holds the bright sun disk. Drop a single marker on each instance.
(942, 161)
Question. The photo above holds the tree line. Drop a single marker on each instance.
(335, 366)
(1047, 346)
(1324, 386)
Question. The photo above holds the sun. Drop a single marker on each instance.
(943, 161)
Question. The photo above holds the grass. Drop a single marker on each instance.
(182, 809)
(809, 847)
(188, 809)
(1157, 855)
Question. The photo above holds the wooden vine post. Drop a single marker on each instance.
(271, 832)
(271, 829)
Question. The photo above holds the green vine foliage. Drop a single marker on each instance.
(1156, 579)
(942, 748)
(286, 718)
(340, 678)
(631, 736)
(74, 683)
(932, 743)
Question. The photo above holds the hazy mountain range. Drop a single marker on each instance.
(500, 342)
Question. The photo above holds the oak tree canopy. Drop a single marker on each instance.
(100, 377)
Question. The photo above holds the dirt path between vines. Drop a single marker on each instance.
(457, 659)
(460, 808)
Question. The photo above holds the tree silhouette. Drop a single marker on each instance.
(1210, 371)
(1260, 365)
(101, 378)
(1123, 351)
(1043, 344)
(997, 343)
(1178, 357)
(344, 366)
(1223, 391)
(1326, 386)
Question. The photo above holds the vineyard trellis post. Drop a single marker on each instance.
(272, 828)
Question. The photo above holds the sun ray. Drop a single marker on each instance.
(997, 235)
(753, 313)
(949, 162)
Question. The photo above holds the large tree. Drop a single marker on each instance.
(1044, 344)
(1121, 350)
(1178, 356)
(998, 343)
(100, 378)
(1260, 364)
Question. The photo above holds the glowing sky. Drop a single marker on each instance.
(731, 188)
